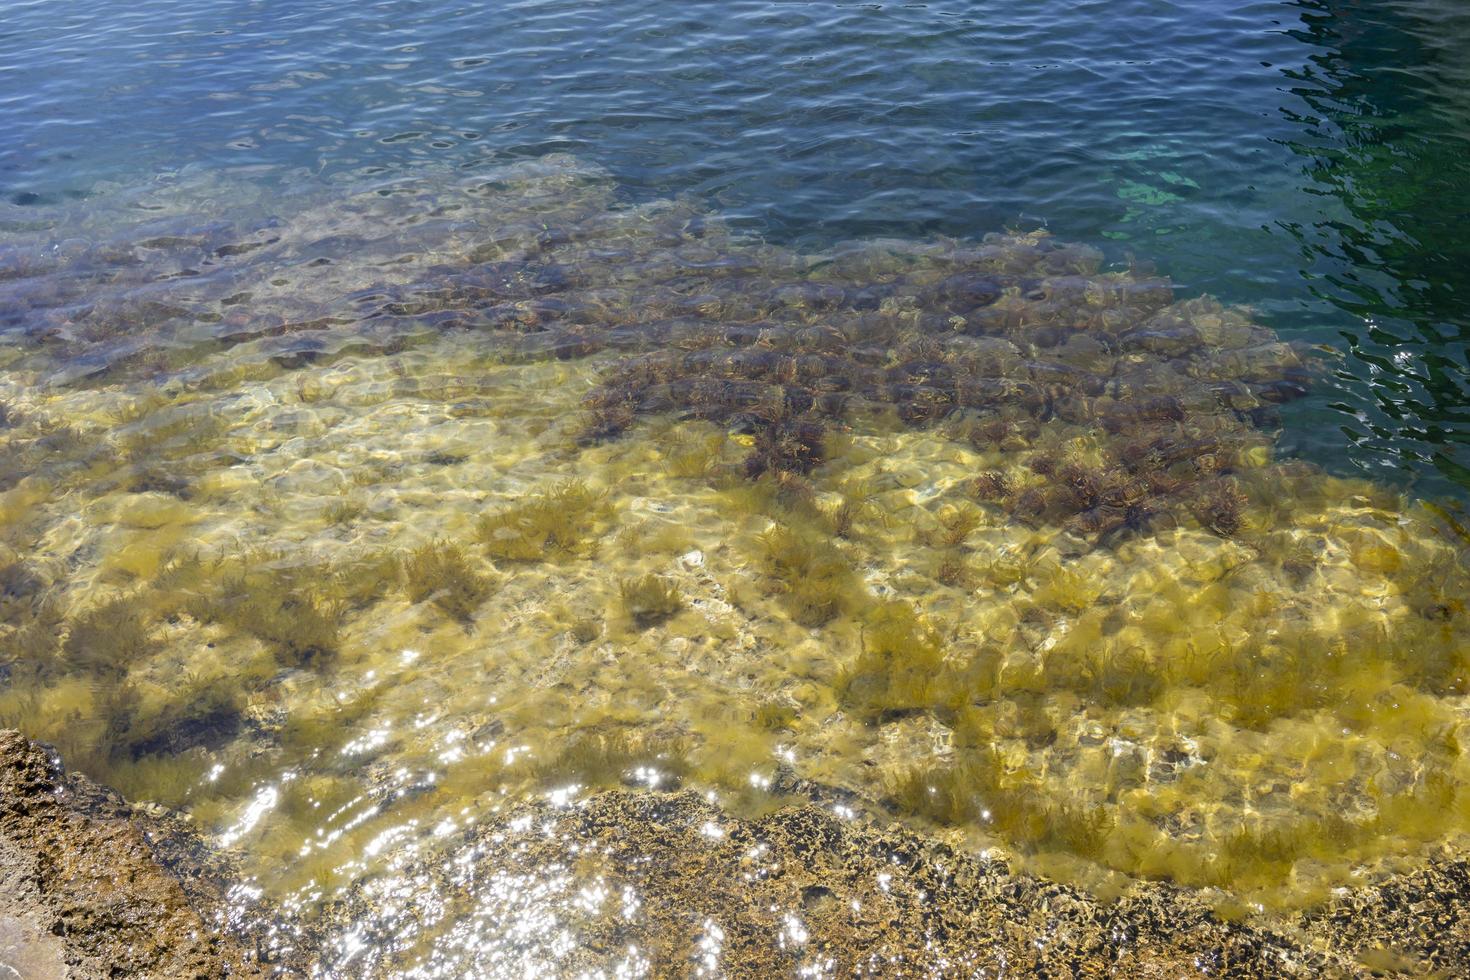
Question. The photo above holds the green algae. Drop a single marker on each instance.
(971, 532)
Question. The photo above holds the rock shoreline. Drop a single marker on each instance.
(92, 887)
(806, 892)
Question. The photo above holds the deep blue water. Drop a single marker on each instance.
(1310, 158)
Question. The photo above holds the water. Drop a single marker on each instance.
(362, 364)
(1305, 159)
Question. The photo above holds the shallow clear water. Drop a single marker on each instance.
(414, 409)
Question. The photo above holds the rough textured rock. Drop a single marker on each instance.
(803, 892)
(85, 890)
(672, 885)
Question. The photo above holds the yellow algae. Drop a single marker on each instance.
(17, 503)
(169, 780)
(343, 511)
(1064, 587)
(810, 574)
(288, 608)
(140, 554)
(109, 639)
(955, 527)
(603, 757)
(853, 504)
(694, 450)
(561, 520)
(657, 538)
(900, 664)
(441, 573)
(650, 599)
(884, 519)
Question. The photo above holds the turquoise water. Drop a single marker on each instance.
(1306, 158)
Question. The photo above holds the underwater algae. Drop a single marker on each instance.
(334, 527)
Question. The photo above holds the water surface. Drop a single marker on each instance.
(1306, 158)
(1041, 425)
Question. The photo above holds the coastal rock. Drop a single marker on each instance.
(91, 888)
(664, 884)
(671, 884)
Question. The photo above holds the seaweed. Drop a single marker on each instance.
(795, 370)
(30, 645)
(786, 447)
(952, 568)
(976, 789)
(31, 618)
(289, 608)
(440, 572)
(649, 600)
(991, 485)
(1088, 407)
(203, 715)
(586, 630)
(694, 452)
(1262, 683)
(610, 757)
(20, 583)
(656, 538)
(1219, 506)
(153, 478)
(813, 578)
(560, 522)
(854, 503)
(961, 792)
(1062, 587)
(1119, 678)
(1028, 819)
(178, 434)
(108, 640)
(956, 522)
(360, 580)
(900, 667)
(343, 512)
(774, 715)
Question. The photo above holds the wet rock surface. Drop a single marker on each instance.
(669, 884)
(90, 887)
(660, 884)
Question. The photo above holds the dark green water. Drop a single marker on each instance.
(1308, 158)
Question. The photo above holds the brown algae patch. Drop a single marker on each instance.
(526, 491)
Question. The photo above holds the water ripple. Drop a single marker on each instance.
(1302, 156)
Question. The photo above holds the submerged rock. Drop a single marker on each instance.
(90, 887)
